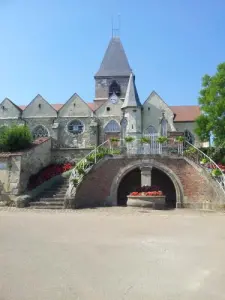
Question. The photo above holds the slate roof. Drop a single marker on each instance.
(115, 62)
(131, 97)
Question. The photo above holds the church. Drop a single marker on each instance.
(116, 110)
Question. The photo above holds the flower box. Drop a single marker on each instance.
(146, 196)
(146, 201)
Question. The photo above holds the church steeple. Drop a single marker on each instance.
(115, 62)
(131, 97)
(114, 72)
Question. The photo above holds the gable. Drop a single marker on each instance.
(8, 110)
(39, 108)
(75, 107)
(109, 109)
(152, 112)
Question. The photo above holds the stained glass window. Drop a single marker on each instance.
(75, 127)
(112, 126)
(40, 131)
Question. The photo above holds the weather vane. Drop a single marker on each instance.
(116, 30)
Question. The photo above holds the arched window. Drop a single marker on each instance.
(112, 126)
(150, 130)
(164, 127)
(75, 127)
(39, 131)
(114, 88)
(189, 136)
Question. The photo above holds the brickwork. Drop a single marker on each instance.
(101, 184)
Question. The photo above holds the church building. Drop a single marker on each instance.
(116, 110)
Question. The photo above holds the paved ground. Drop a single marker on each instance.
(113, 253)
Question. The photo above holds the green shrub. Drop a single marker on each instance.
(216, 172)
(180, 139)
(162, 139)
(129, 139)
(15, 138)
(113, 140)
(145, 140)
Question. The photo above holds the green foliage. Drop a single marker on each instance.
(116, 151)
(216, 172)
(75, 181)
(129, 139)
(15, 138)
(145, 140)
(180, 139)
(204, 160)
(190, 151)
(212, 104)
(113, 140)
(162, 139)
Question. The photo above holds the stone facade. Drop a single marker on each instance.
(71, 124)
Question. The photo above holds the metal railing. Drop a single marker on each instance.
(204, 161)
(153, 147)
(85, 163)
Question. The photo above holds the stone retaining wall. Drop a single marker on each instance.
(193, 188)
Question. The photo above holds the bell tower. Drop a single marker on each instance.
(113, 74)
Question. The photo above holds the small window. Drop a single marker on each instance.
(148, 108)
(75, 127)
(108, 108)
(134, 110)
(114, 88)
(39, 105)
(132, 126)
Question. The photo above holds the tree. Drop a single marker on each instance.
(212, 105)
(15, 138)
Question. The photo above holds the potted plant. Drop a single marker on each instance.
(162, 139)
(180, 139)
(129, 139)
(145, 140)
(146, 196)
(216, 172)
(204, 161)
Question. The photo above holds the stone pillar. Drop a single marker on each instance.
(146, 176)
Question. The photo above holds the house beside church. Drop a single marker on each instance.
(116, 111)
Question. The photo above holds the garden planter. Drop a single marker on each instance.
(146, 201)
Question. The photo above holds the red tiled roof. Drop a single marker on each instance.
(91, 106)
(186, 113)
(57, 106)
(182, 113)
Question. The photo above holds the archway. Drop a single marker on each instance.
(128, 184)
(161, 179)
(137, 164)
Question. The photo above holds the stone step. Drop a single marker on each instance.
(47, 207)
(51, 200)
(56, 190)
(49, 194)
(45, 204)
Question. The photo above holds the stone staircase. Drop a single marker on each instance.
(52, 198)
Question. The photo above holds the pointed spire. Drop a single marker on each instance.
(115, 62)
(131, 97)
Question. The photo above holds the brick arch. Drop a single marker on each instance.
(149, 163)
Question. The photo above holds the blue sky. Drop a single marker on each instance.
(54, 47)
